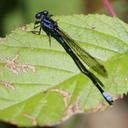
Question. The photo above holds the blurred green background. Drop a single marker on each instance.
(15, 13)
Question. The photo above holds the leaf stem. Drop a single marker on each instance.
(108, 6)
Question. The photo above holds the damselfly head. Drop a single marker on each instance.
(45, 12)
(41, 14)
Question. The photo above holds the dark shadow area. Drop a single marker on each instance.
(7, 125)
(6, 7)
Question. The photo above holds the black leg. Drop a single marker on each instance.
(35, 27)
(36, 22)
(50, 16)
(49, 36)
(39, 31)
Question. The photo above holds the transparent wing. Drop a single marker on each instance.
(83, 55)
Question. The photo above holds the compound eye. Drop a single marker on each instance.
(37, 16)
(45, 12)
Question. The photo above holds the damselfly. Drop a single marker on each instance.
(46, 23)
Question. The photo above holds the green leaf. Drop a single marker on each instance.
(41, 85)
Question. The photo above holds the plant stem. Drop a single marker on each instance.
(108, 6)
